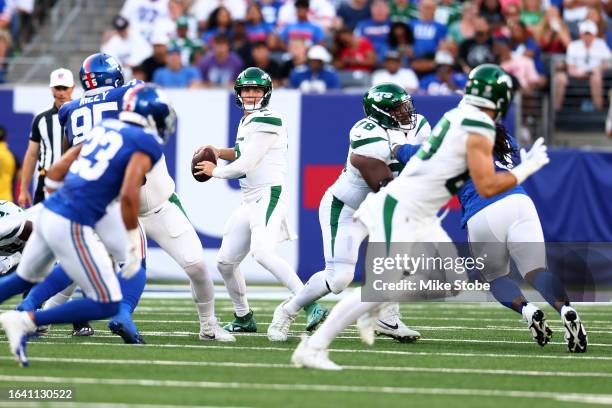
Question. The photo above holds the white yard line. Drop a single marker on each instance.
(303, 387)
(412, 369)
(361, 351)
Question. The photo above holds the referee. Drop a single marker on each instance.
(45, 146)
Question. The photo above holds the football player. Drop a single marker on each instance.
(391, 120)
(13, 237)
(259, 160)
(112, 162)
(161, 212)
(460, 147)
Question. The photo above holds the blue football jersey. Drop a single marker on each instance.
(472, 202)
(96, 176)
(78, 117)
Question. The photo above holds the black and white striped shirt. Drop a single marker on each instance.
(46, 131)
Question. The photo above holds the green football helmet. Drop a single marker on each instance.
(253, 78)
(489, 86)
(390, 106)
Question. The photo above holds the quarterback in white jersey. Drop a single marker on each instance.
(390, 121)
(460, 147)
(259, 161)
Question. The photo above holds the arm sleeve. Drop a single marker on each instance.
(249, 158)
(405, 152)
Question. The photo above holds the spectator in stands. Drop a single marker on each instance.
(256, 28)
(295, 57)
(143, 15)
(519, 66)
(401, 40)
(353, 53)
(269, 10)
(240, 43)
(523, 43)
(393, 72)
(202, 10)
(552, 34)
(596, 16)
(174, 74)
(445, 81)
(139, 73)
(531, 12)
(492, 12)
(316, 76)
(219, 22)
(575, 11)
(463, 29)
(311, 33)
(477, 50)
(128, 46)
(168, 25)
(158, 59)
(512, 14)
(403, 11)
(5, 38)
(586, 59)
(377, 28)
(448, 12)
(321, 12)
(352, 12)
(9, 168)
(427, 36)
(261, 58)
(220, 66)
(189, 46)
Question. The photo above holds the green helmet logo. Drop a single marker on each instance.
(490, 87)
(253, 78)
(390, 106)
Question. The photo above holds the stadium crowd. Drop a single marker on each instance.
(425, 46)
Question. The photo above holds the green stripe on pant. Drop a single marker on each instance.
(275, 192)
(336, 209)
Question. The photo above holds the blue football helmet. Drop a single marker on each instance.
(100, 70)
(148, 106)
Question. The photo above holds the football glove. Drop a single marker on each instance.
(531, 161)
(133, 261)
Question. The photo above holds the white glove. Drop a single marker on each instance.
(7, 263)
(133, 261)
(531, 161)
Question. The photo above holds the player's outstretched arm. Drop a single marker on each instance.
(489, 183)
(375, 172)
(57, 172)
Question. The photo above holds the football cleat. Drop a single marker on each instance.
(366, 325)
(281, 322)
(389, 324)
(575, 335)
(243, 324)
(211, 330)
(124, 327)
(315, 315)
(536, 322)
(305, 356)
(17, 327)
(43, 330)
(82, 329)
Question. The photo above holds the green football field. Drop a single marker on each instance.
(471, 355)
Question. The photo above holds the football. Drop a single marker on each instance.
(206, 154)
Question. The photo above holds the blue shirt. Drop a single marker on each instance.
(305, 30)
(78, 117)
(377, 33)
(531, 45)
(427, 36)
(269, 11)
(259, 32)
(96, 177)
(472, 202)
(433, 85)
(304, 73)
(176, 79)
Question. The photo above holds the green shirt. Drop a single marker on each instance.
(404, 15)
(531, 18)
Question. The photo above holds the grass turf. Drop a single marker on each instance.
(471, 355)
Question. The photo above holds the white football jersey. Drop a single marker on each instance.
(369, 139)
(158, 187)
(9, 233)
(271, 169)
(439, 168)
